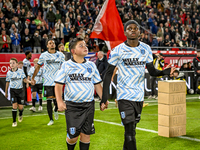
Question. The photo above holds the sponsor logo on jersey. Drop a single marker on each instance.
(78, 77)
(52, 61)
(133, 61)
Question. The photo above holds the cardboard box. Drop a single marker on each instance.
(172, 121)
(177, 109)
(172, 86)
(178, 98)
(171, 131)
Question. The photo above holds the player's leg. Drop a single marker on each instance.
(49, 110)
(39, 91)
(40, 102)
(84, 143)
(33, 101)
(55, 109)
(14, 114)
(49, 93)
(21, 109)
(129, 136)
(71, 143)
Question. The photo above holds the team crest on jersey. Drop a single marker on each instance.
(72, 130)
(89, 70)
(12, 99)
(57, 55)
(22, 101)
(123, 114)
(142, 51)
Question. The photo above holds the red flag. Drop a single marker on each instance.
(108, 25)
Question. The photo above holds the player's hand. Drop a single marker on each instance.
(27, 85)
(33, 82)
(62, 106)
(104, 106)
(168, 66)
(6, 95)
(172, 70)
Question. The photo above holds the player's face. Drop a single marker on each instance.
(61, 49)
(29, 55)
(132, 32)
(81, 49)
(51, 45)
(20, 66)
(13, 64)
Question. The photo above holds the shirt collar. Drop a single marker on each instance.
(76, 62)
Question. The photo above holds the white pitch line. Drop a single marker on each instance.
(117, 124)
(147, 130)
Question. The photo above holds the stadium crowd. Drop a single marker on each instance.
(26, 25)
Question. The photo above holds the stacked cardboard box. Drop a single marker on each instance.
(171, 108)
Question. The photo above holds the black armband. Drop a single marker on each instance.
(106, 82)
(154, 72)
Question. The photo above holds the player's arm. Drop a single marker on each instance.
(106, 83)
(37, 68)
(27, 84)
(25, 70)
(58, 93)
(26, 81)
(98, 89)
(154, 72)
(6, 89)
(114, 73)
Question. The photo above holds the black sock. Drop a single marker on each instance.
(21, 112)
(71, 146)
(33, 101)
(40, 100)
(84, 146)
(49, 108)
(14, 114)
(55, 104)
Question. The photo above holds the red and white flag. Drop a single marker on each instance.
(108, 25)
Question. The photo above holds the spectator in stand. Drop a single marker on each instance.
(27, 41)
(167, 41)
(32, 27)
(190, 67)
(184, 67)
(154, 42)
(53, 8)
(59, 29)
(58, 15)
(24, 6)
(51, 17)
(45, 6)
(66, 31)
(35, 4)
(36, 42)
(43, 43)
(12, 28)
(16, 39)
(4, 42)
(174, 47)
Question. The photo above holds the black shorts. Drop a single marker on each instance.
(37, 88)
(49, 91)
(79, 118)
(17, 96)
(130, 111)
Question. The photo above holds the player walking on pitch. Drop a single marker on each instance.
(52, 61)
(15, 77)
(80, 78)
(130, 58)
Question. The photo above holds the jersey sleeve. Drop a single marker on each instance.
(8, 77)
(41, 60)
(23, 75)
(25, 63)
(97, 78)
(150, 56)
(114, 57)
(30, 72)
(61, 75)
(62, 59)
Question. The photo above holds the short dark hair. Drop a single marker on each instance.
(27, 52)
(73, 43)
(176, 71)
(61, 44)
(49, 40)
(15, 59)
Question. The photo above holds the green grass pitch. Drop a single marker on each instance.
(34, 134)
